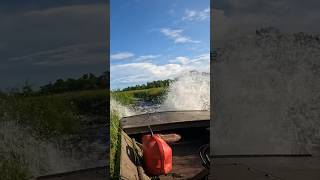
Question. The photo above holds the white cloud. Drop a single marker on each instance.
(141, 72)
(122, 55)
(181, 60)
(147, 57)
(203, 60)
(193, 15)
(176, 35)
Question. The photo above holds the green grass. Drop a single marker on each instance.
(154, 95)
(126, 98)
(58, 114)
(47, 116)
(13, 167)
(88, 102)
(115, 145)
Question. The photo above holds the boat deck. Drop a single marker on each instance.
(186, 159)
(192, 126)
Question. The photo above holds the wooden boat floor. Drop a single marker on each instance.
(186, 161)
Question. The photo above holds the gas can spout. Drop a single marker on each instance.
(150, 130)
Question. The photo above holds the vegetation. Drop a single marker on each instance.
(115, 144)
(54, 110)
(124, 98)
(57, 114)
(153, 92)
(13, 167)
(154, 95)
(148, 85)
(48, 116)
(85, 82)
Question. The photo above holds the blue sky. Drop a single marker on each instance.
(151, 40)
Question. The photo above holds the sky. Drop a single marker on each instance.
(44, 40)
(153, 40)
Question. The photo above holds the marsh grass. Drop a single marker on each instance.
(115, 144)
(124, 98)
(46, 116)
(154, 95)
(55, 115)
(127, 98)
(13, 167)
(88, 102)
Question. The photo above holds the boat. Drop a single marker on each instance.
(190, 148)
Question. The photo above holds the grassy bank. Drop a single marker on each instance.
(154, 95)
(127, 98)
(58, 114)
(13, 167)
(46, 116)
(115, 143)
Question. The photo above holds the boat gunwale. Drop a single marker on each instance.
(134, 125)
(157, 112)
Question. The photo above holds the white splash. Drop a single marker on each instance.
(40, 157)
(191, 91)
(120, 109)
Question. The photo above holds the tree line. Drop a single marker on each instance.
(87, 81)
(153, 84)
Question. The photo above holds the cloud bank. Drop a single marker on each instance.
(141, 72)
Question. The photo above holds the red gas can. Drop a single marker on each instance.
(157, 155)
